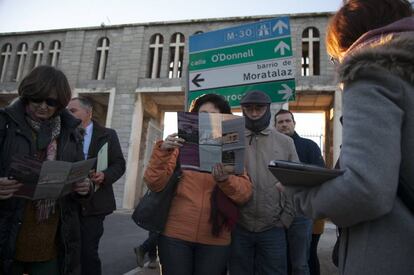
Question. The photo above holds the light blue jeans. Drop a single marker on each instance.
(299, 237)
(263, 253)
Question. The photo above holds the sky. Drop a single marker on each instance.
(29, 15)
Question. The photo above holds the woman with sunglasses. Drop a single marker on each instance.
(373, 41)
(40, 236)
(195, 240)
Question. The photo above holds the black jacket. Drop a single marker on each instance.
(16, 138)
(103, 200)
(308, 151)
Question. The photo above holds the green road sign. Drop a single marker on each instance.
(270, 49)
(278, 92)
(235, 60)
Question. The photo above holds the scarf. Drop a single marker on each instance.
(224, 212)
(258, 125)
(46, 134)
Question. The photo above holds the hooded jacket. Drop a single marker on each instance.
(377, 150)
(16, 137)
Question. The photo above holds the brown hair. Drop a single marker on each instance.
(43, 81)
(357, 17)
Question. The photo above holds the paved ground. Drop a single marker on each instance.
(122, 235)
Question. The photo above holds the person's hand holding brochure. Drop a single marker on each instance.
(48, 179)
(299, 174)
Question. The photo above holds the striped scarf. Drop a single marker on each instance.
(48, 132)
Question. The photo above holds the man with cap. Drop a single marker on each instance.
(259, 240)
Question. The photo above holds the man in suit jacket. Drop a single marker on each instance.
(103, 201)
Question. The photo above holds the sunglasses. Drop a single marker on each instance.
(49, 101)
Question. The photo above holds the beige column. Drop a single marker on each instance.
(133, 154)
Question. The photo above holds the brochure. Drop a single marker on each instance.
(48, 179)
(211, 138)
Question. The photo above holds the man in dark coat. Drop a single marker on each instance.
(301, 241)
(104, 140)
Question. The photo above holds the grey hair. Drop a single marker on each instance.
(84, 102)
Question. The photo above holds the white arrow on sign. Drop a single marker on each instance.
(280, 25)
(242, 74)
(286, 92)
(282, 46)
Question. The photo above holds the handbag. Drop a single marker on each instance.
(152, 211)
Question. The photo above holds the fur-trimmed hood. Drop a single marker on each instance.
(392, 51)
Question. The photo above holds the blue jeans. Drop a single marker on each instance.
(178, 257)
(261, 253)
(299, 236)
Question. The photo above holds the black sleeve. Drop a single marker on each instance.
(116, 160)
(315, 155)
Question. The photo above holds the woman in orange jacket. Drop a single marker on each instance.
(194, 241)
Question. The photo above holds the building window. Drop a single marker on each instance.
(37, 54)
(20, 61)
(54, 53)
(4, 60)
(175, 64)
(101, 58)
(156, 44)
(310, 52)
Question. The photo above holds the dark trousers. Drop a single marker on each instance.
(36, 268)
(91, 232)
(313, 257)
(150, 245)
(178, 257)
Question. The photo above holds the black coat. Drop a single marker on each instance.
(308, 151)
(103, 200)
(16, 138)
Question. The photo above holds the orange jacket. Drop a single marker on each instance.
(189, 215)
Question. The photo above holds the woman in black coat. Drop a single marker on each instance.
(40, 236)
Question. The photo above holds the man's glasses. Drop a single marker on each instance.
(51, 102)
